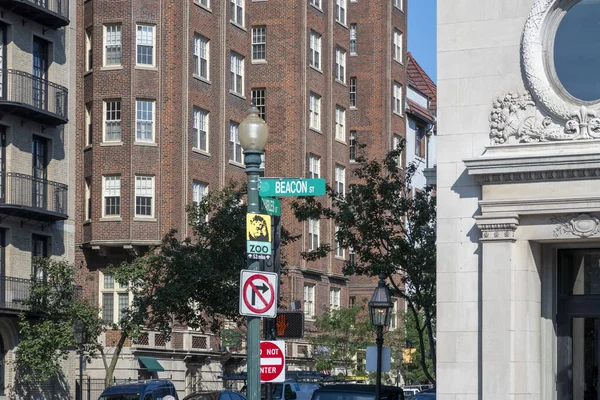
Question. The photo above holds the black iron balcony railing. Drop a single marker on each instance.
(14, 293)
(31, 197)
(52, 13)
(33, 98)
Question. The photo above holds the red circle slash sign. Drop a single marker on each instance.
(257, 294)
(272, 361)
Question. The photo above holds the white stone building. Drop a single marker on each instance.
(518, 199)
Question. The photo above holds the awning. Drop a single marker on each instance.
(151, 364)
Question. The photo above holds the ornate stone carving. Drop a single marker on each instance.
(497, 231)
(539, 176)
(583, 225)
(515, 115)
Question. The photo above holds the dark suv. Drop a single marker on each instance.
(357, 392)
(143, 390)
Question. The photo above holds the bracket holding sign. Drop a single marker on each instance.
(258, 293)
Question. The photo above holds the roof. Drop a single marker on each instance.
(418, 78)
(420, 112)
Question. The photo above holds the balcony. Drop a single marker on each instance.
(28, 197)
(14, 293)
(52, 13)
(33, 98)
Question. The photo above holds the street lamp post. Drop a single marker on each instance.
(379, 309)
(253, 135)
(79, 335)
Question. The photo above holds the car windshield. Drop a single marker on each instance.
(121, 396)
(331, 395)
(277, 390)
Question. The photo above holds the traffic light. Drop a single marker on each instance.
(289, 325)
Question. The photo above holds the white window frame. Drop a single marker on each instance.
(352, 146)
(111, 190)
(314, 46)
(201, 56)
(397, 98)
(340, 252)
(235, 7)
(314, 166)
(259, 95)
(340, 123)
(340, 179)
(236, 73)
(399, 4)
(199, 191)
(314, 111)
(89, 49)
(88, 197)
(142, 190)
(309, 300)
(394, 315)
(116, 291)
(341, 11)
(314, 230)
(141, 38)
(117, 121)
(200, 124)
(395, 143)
(398, 46)
(353, 39)
(259, 43)
(334, 298)
(138, 120)
(117, 35)
(235, 148)
(340, 64)
(316, 3)
(204, 3)
(352, 89)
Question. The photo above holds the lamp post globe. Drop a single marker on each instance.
(379, 310)
(253, 131)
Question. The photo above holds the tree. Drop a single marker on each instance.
(391, 228)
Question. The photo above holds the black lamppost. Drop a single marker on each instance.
(379, 309)
(80, 339)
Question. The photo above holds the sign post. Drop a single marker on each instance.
(272, 361)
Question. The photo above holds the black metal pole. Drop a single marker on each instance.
(379, 342)
(80, 394)
(269, 335)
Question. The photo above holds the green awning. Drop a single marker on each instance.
(151, 364)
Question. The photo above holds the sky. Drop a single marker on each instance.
(422, 26)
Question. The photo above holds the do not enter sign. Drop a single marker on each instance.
(272, 361)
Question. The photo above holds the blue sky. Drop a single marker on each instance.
(422, 26)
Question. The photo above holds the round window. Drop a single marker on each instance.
(577, 51)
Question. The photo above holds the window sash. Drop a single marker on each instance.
(199, 190)
(313, 233)
(236, 74)
(340, 65)
(352, 146)
(314, 108)
(200, 130)
(352, 38)
(397, 46)
(112, 121)
(108, 307)
(340, 11)
(112, 45)
(309, 300)
(144, 193)
(112, 196)
(340, 179)
(397, 100)
(353, 92)
(235, 148)
(145, 45)
(340, 124)
(259, 43)
(314, 167)
(315, 50)
(201, 56)
(144, 121)
(237, 11)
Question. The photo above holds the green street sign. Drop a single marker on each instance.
(270, 206)
(291, 187)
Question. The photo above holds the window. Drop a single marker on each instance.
(353, 39)
(314, 110)
(200, 133)
(259, 43)
(339, 250)
(235, 148)
(314, 226)
(352, 92)
(115, 299)
(315, 50)
(145, 45)
(88, 124)
(88, 200)
(144, 121)
(395, 146)
(89, 50)
(112, 195)
(394, 315)
(112, 121)
(419, 140)
(144, 193)
(205, 3)
(340, 11)
(397, 98)
(340, 179)
(309, 300)
(316, 3)
(112, 45)
(39, 248)
(397, 45)
(352, 146)
(314, 166)
(334, 298)
(201, 56)
(237, 12)
(258, 95)
(398, 4)
(351, 256)
(199, 190)
(340, 65)
(352, 301)
(236, 74)
(340, 123)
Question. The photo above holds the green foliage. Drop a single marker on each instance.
(56, 303)
(391, 228)
(411, 369)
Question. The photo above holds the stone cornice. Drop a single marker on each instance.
(498, 228)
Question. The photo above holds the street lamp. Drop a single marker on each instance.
(379, 309)
(253, 135)
(80, 339)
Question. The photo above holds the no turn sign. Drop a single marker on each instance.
(258, 293)
(272, 361)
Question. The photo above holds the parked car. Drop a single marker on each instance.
(142, 390)
(409, 393)
(215, 395)
(357, 392)
(428, 394)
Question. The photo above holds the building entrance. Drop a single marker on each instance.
(578, 324)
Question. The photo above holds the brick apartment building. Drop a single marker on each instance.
(163, 86)
(37, 40)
